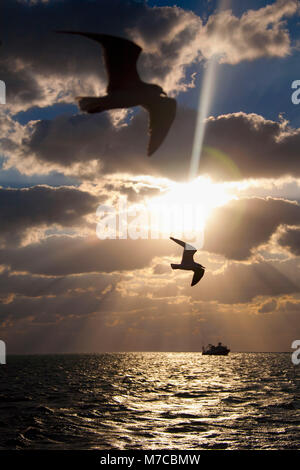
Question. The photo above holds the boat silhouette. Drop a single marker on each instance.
(212, 350)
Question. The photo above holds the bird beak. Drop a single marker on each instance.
(164, 93)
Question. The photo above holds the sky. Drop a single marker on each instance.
(66, 284)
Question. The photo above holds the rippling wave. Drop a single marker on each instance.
(150, 401)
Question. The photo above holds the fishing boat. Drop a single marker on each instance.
(212, 350)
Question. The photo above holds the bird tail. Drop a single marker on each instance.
(175, 266)
(91, 104)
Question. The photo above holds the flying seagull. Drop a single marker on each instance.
(188, 263)
(125, 88)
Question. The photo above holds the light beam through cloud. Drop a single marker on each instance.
(204, 104)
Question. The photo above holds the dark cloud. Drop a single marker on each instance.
(89, 138)
(27, 285)
(242, 225)
(249, 146)
(233, 231)
(52, 67)
(22, 209)
(240, 283)
(110, 319)
(289, 305)
(289, 238)
(268, 306)
(71, 278)
(236, 146)
(63, 255)
(44, 58)
(52, 309)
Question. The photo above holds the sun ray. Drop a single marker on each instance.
(204, 105)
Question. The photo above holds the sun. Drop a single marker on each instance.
(182, 210)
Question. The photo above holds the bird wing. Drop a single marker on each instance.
(180, 242)
(188, 255)
(120, 56)
(162, 113)
(198, 274)
(188, 252)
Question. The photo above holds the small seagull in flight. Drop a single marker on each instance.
(125, 88)
(188, 263)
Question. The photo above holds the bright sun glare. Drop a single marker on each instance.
(183, 209)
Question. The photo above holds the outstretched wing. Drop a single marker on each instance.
(162, 113)
(180, 242)
(197, 276)
(188, 253)
(120, 57)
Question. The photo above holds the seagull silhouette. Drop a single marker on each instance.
(188, 263)
(125, 88)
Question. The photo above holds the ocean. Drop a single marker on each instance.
(150, 401)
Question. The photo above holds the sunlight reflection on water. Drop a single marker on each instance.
(150, 401)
